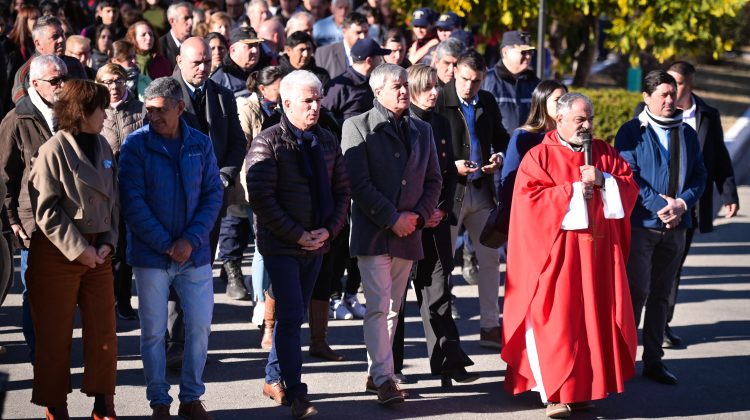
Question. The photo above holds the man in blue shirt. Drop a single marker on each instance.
(171, 194)
(666, 159)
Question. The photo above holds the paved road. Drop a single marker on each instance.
(713, 317)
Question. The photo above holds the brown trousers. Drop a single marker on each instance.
(56, 286)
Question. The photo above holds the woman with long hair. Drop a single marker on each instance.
(73, 189)
(254, 112)
(148, 51)
(102, 47)
(541, 120)
(219, 47)
(20, 35)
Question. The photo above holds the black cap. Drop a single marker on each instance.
(245, 35)
(367, 48)
(423, 16)
(447, 20)
(517, 39)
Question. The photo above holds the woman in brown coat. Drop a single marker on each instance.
(73, 189)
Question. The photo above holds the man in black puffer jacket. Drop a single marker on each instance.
(299, 192)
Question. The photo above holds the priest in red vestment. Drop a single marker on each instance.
(568, 325)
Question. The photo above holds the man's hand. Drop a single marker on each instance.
(590, 178)
(406, 224)
(730, 210)
(89, 257)
(435, 218)
(672, 212)
(496, 162)
(19, 232)
(104, 250)
(309, 241)
(464, 170)
(180, 250)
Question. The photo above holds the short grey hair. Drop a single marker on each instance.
(385, 72)
(298, 16)
(254, 3)
(451, 47)
(348, 2)
(164, 87)
(40, 63)
(293, 82)
(565, 103)
(41, 24)
(172, 9)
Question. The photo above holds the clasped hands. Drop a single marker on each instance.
(314, 239)
(91, 257)
(590, 178)
(671, 214)
(406, 223)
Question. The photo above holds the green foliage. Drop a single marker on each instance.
(612, 109)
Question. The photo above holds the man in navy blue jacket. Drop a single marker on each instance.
(666, 159)
(172, 193)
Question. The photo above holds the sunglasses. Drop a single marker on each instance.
(55, 81)
(118, 82)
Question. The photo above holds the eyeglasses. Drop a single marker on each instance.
(117, 82)
(528, 52)
(55, 81)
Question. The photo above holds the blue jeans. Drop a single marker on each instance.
(28, 324)
(260, 279)
(292, 280)
(194, 286)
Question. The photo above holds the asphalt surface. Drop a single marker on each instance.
(713, 317)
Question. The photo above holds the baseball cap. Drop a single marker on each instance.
(245, 35)
(367, 48)
(447, 20)
(517, 39)
(422, 17)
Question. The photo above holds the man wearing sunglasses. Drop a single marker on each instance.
(49, 38)
(22, 132)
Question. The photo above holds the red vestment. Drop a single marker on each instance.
(572, 285)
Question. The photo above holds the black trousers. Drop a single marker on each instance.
(121, 270)
(430, 280)
(655, 256)
(673, 296)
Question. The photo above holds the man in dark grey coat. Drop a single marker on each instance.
(396, 182)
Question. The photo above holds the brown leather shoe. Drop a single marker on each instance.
(491, 338)
(61, 413)
(276, 392)
(370, 386)
(302, 408)
(269, 319)
(194, 410)
(389, 393)
(161, 412)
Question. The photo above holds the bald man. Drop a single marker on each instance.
(273, 34)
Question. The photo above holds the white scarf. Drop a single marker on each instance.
(44, 109)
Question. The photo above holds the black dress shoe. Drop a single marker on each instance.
(670, 338)
(459, 375)
(659, 373)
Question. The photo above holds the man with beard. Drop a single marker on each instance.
(665, 156)
(568, 330)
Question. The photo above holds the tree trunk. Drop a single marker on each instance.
(587, 54)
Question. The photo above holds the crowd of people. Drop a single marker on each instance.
(147, 141)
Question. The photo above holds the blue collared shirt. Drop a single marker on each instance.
(475, 152)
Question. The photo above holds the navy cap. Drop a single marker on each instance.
(367, 48)
(464, 36)
(245, 35)
(422, 17)
(517, 39)
(447, 20)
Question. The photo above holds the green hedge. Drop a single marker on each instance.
(612, 109)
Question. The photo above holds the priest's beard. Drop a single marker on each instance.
(577, 139)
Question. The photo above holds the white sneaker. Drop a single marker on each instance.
(258, 312)
(340, 311)
(352, 304)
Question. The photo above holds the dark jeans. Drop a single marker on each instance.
(655, 256)
(234, 236)
(292, 280)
